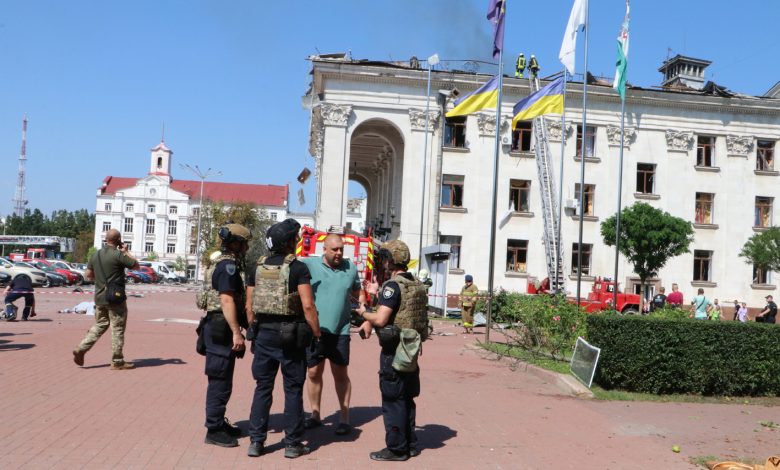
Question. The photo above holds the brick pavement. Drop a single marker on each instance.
(474, 412)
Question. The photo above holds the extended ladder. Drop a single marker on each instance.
(544, 167)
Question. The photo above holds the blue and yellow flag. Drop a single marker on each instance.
(485, 96)
(548, 100)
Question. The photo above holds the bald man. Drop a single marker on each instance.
(107, 266)
(333, 280)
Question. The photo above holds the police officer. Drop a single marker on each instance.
(283, 321)
(224, 292)
(520, 66)
(534, 67)
(402, 304)
(20, 287)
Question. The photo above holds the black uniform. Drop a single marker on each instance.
(659, 301)
(269, 354)
(21, 287)
(398, 388)
(770, 317)
(220, 357)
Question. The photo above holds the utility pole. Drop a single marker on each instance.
(19, 200)
(195, 170)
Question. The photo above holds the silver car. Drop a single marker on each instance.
(37, 276)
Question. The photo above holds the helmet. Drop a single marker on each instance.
(469, 278)
(423, 274)
(234, 233)
(397, 252)
(279, 234)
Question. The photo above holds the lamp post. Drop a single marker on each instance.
(432, 60)
(3, 220)
(202, 175)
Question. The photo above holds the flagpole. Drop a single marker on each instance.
(558, 264)
(582, 155)
(619, 199)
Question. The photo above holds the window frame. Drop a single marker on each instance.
(518, 188)
(705, 150)
(106, 225)
(590, 143)
(129, 222)
(172, 227)
(702, 201)
(587, 255)
(129, 207)
(645, 176)
(151, 209)
(150, 227)
(765, 155)
(525, 130)
(516, 255)
(761, 276)
(451, 181)
(456, 245)
(147, 245)
(173, 210)
(702, 261)
(763, 204)
(107, 207)
(589, 199)
(170, 248)
(455, 132)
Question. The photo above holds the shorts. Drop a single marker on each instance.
(336, 350)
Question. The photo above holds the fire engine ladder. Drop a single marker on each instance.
(549, 202)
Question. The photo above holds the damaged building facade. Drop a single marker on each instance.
(696, 150)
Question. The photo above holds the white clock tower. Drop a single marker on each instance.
(160, 162)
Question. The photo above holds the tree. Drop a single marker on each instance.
(91, 251)
(84, 241)
(763, 250)
(649, 237)
(151, 256)
(180, 265)
(216, 214)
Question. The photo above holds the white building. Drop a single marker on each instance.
(695, 150)
(159, 214)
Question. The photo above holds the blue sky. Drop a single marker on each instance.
(99, 78)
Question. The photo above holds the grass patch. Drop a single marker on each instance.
(539, 360)
(702, 460)
(620, 395)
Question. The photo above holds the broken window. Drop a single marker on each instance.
(516, 255)
(587, 248)
(705, 204)
(452, 191)
(454, 242)
(705, 151)
(645, 178)
(589, 197)
(760, 276)
(590, 141)
(765, 155)
(520, 195)
(455, 132)
(521, 137)
(763, 212)
(702, 261)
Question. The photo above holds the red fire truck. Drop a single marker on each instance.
(357, 248)
(599, 298)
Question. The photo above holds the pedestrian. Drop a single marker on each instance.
(520, 66)
(736, 309)
(107, 269)
(659, 300)
(333, 280)
(20, 287)
(401, 307)
(283, 321)
(468, 294)
(742, 314)
(675, 299)
(769, 314)
(534, 67)
(716, 311)
(224, 296)
(702, 306)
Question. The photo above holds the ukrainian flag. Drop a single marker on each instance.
(484, 97)
(548, 100)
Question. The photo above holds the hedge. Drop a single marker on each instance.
(662, 356)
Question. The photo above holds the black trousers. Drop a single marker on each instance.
(220, 364)
(269, 355)
(399, 411)
(29, 301)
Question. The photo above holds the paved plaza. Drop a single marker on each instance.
(474, 411)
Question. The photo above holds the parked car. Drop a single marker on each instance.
(164, 271)
(53, 278)
(59, 264)
(151, 273)
(71, 276)
(4, 279)
(80, 268)
(136, 277)
(37, 276)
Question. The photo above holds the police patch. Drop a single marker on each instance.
(230, 268)
(388, 292)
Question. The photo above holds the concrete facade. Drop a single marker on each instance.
(369, 126)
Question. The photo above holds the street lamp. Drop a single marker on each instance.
(202, 175)
(432, 60)
(3, 220)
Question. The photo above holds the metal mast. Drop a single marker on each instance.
(19, 199)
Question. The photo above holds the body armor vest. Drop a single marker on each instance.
(271, 295)
(413, 311)
(207, 297)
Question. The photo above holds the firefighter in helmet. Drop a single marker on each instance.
(223, 299)
(401, 316)
(283, 324)
(534, 67)
(520, 66)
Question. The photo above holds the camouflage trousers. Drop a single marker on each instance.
(105, 315)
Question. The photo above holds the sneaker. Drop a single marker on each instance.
(296, 450)
(78, 357)
(122, 366)
(256, 449)
(220, 438)
(311, 423)
(228, 427)
(387, 455)
(343, 429)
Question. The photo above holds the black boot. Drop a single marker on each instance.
(221, 438)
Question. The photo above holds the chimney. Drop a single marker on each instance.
(683, 71)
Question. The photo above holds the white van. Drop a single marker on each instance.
(163, 270)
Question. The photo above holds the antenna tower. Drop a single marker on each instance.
(19, 201)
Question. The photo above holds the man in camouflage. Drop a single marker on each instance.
(401, 306)
(223, 299)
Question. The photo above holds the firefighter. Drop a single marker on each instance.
(401, 318)
(520, 66)
(534, 66)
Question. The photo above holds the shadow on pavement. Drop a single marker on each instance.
(433, 436)
(156, 361)
(9, 345)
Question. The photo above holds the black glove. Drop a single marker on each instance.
(317, 348)
(355, 319)
(251, 332)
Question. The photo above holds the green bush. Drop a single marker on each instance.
(659, 355)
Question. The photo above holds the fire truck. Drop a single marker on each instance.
(357, 248)
(599, 298)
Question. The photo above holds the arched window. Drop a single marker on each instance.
(159, 162)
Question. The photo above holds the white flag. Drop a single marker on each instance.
(569, 44)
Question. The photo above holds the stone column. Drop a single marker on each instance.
(334, 167)
(412, 203)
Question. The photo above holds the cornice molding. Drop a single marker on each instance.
(740, 146)
(417, 119)
(335, 114)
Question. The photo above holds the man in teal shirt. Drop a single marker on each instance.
(702, 305)
(334, 280)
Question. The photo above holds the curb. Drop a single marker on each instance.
(567, 384)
